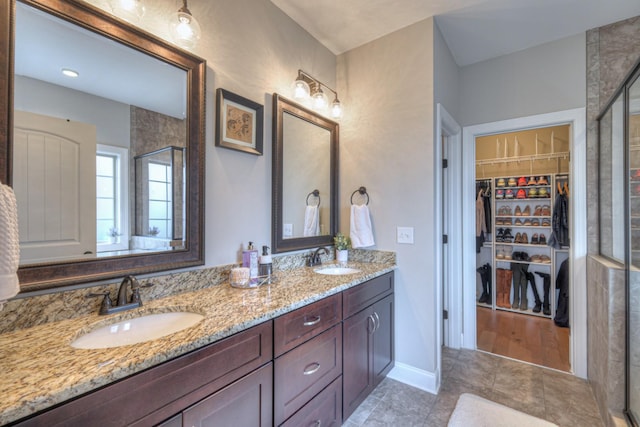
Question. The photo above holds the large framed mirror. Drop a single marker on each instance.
(305, 177)
(102, 140)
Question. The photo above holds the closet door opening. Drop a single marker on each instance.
(523, 186)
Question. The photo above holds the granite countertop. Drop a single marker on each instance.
(41, 369)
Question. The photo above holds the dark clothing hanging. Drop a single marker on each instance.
(562, 283)
(487, 209)
(560, 223)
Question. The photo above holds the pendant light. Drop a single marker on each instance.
(130, 10)
(185, 29)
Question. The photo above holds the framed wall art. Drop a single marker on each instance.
(239, 123)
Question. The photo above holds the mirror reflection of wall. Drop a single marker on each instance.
(306, 167)
(116, 92)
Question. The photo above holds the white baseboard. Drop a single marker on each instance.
(424, 380)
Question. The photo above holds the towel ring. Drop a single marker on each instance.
(363, 192)
(315, 193)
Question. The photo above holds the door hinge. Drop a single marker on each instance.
(445, 238)
(445, 314)
(445, 163)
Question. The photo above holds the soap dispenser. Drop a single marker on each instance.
(250, 260)
(265, 267)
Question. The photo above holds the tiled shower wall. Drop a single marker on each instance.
(612, 51)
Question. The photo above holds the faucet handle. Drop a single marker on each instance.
(106, 301)
(135, 288)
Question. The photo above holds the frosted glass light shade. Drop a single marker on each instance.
(336, 109)
(319, 100)
(130, 10)
(185, 29)
(300, 90)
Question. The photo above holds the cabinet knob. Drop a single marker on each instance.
(311, 368)
(314, 320)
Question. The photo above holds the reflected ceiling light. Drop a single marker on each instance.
(131, 10)
(319, 100)
(185, 29)
(70, 73)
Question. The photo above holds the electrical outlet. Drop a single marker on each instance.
(287, 230)
(405, 235)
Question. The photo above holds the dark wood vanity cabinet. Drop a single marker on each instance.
(368, 339)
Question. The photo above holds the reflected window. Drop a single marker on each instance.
(160, 200)
(112, 229)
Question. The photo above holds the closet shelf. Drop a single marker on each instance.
(519, 159)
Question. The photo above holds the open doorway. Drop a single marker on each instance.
(522, 244)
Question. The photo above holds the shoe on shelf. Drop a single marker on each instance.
(507, 237)
(527, 222)
(518, 211)
(535, 258)
(523, 306)
(537, 211)
(522, 194)
(522, 181)
(507, 221)
(524, 239)
(635, 175)
(499, 221)
(507, 211)
(499, 253)
(543, 181)
(499, 194)
(499, 235)
(546, 210)
(535, 239)
(517, 239)
(519, 223)
(535, 223)
(542, 240)
(543, 192)
(508, 252)
(508, 194)
(512, 182)
(546, 222)
(527, 211)
(500, 183)
(545, 259)
(533, 192)
(532, 181)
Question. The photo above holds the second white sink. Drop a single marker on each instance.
(336, 271)
(137, 330)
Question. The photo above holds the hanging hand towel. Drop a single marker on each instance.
(311, 221)
(361, 233)
(9, 245)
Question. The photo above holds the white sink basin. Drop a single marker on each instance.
(137, 330)
(336, 271)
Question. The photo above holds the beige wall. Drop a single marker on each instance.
(387, 146)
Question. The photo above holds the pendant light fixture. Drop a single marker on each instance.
(130, 10)
(185, 29)
(307, 88)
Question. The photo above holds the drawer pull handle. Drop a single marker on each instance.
(315, 321)
(316, 423)
(376, 322)
(371, 324)
(311, 368)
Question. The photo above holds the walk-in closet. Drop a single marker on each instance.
(522, 245)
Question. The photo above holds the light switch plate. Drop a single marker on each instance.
(287, 230)
(405, 235)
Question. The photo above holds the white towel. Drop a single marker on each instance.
(9, 245)
(311, 221)
(361, 233)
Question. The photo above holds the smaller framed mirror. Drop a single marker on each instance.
(305, 177)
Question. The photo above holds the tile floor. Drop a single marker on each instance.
(560, 398)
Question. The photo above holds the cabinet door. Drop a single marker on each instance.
(357, 360)
(245, 403)
(324, 410)
(382, 339)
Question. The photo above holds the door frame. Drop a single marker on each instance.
(447, 127)
(576, 118)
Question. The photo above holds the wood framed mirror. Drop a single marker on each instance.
(305, 177)
(123, 235)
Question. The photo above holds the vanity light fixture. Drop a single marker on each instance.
(185, 29)
(70, 73)
(306, 86)
(130, 10)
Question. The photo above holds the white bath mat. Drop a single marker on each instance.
(474, 411)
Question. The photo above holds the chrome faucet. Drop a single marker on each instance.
(122, 304)
(314, 258)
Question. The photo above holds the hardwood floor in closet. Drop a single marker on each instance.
(519, 336)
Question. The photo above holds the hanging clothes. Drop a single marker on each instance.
(481, 226)
(562, 283)
(486, 195)
(560, 223)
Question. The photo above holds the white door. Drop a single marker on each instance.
(55, 187)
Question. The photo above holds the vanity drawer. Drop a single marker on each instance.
(305, 371)
(298, 326)
(361, 296)
(323, 410)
